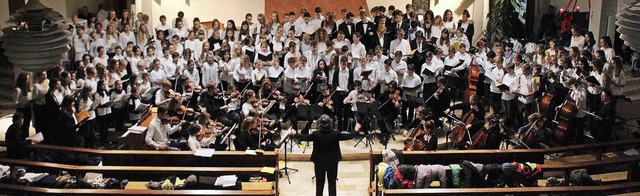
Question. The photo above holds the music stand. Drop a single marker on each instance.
(286, 168)
(367, 109)
(312, 112)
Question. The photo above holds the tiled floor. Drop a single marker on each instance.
(352, 179)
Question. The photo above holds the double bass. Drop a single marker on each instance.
(472, 81)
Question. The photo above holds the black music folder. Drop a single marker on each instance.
(504, 87)
(366, 73)
(275, 79)
(592, 80)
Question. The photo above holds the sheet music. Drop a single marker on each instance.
(38, 137)
(137, 129)
(142, 107)
(204, 152)
(490, 75)
(226, 180)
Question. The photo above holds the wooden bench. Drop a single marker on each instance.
(234, 162)
(21, 189)
(135, 172)
(516, 191)
(170, 158)
(519, 155)
(632, 162)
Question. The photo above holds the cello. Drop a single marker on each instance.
(472, 81)
(413, 142)
(479, 140)
(563, 119)
(460, 130)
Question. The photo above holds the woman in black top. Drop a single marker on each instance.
(326, 152)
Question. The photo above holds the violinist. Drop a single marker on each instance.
(293, 101)
(439, 101)
(390, 103)
(193, 142)
(164, 95)
(206, 133)
(530, 135)
(358, 95)
(268, 93)
(326, 100)
(189, 92)
(213, 101)
(157, 135)
(604, 118)
(247, 136)
(428, 126)
(411, 88)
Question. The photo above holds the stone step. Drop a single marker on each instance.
(631, 89)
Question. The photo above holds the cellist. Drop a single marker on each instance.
(472, 106)
(428, 126)
(530, 135)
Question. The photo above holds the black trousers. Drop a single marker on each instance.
(39, 117)
(331, 172)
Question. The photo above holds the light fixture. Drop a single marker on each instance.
(38, 38)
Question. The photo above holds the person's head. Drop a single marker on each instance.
(605, 42)
(296, 89)
(357, 85)
(326, 123)
(447, 16)
(465, 15)
(408, 8)
(605, 96)
(194, 129)
(387, 64)
(526, 70)
(534, 118)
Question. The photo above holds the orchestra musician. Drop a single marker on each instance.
(604, 118)
(422, 121)
(164, 95)
(390, 102)
(358, 95)
(293, 101)
(216, 106)
(530, 135)
(326, 101)
(439, 101)
(159, 130)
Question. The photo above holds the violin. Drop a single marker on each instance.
(300, 100)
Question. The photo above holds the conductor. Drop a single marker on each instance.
(326, 152)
